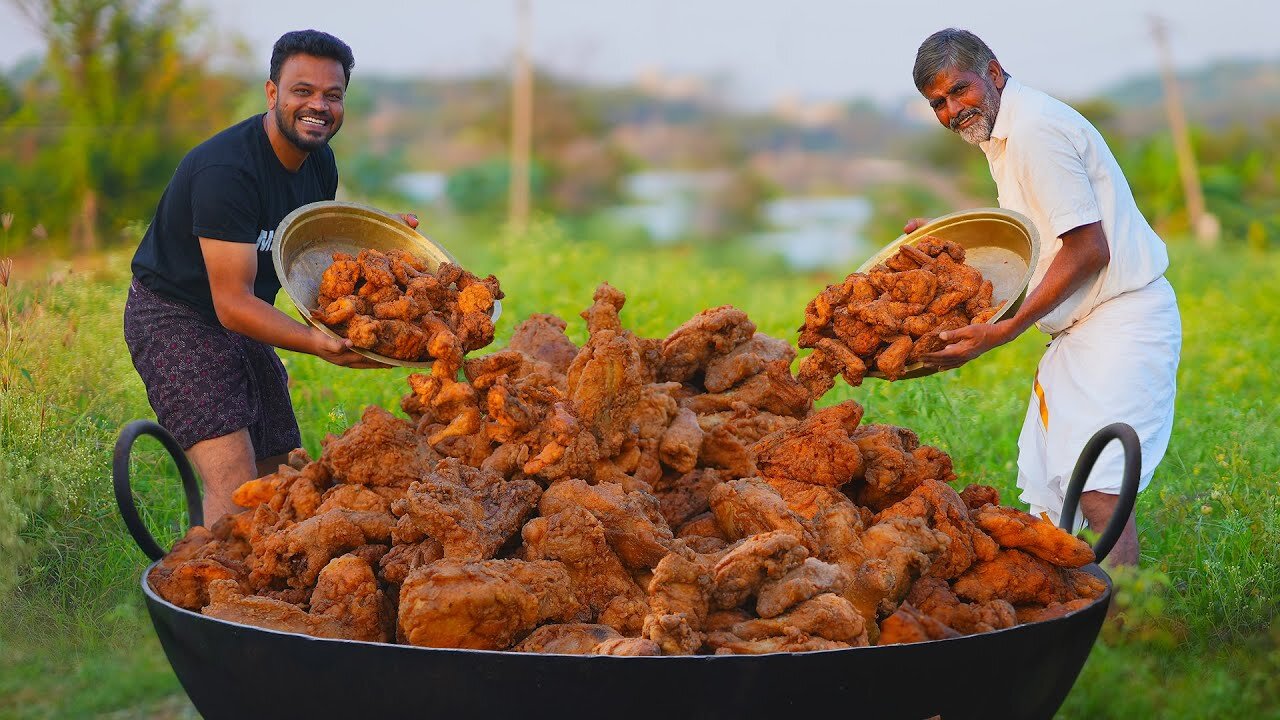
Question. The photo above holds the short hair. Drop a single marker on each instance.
(311, 42)
(950, 48)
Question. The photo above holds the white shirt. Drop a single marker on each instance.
(1051, 165)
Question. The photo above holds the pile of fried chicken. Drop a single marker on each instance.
(891, 316)
(630, 497)
(393, 305)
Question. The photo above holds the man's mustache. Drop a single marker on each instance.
(960, 119)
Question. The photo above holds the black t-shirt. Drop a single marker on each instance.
(230, 187)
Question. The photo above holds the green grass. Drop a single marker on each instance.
(1197, 634)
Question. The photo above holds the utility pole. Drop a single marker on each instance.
(1203, 224)
(521, 123)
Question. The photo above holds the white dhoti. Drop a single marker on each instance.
(1119, 364)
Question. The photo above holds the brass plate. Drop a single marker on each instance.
(1002, 244)
(308, 237)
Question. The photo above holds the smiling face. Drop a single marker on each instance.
(307, 102)
(967, 102)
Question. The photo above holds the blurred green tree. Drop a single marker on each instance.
(121, 96)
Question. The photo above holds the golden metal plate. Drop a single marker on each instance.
(1002, 244)
(308, 237)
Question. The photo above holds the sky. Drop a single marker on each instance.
(757, 53)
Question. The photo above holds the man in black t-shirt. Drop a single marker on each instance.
(200, 321)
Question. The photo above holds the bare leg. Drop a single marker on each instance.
(1098, 508)
(224, 463)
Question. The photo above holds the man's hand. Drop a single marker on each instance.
(968, 342)
(914, 223)
(338, 351)
(410, 219)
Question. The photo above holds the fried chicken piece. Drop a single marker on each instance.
(1023, 579)
(340, 310)
(704, 525)
(584, 639)
(895, 464)
(909, 625)
(375, 268)
(751, 563)
(1013, 528)
(605, 383)
(852, 293)
(469, 511)
(467, 279)
(632, 521)
(897, 551)
(820, 450)
(975, 496)
(986, 315)
(860, 337)
(483, 605)
(681, 442)
(679, 600)
(475, 298)
(293, 555)
(892, 359)
(1052, 611)
(773, 390)
(405, 557)
(517, 406)
(381, 449)
(746, 360)
(685, 495)
(353, 497)
(941, 507)
(292, 493)
(918, 325)
(801, 583)
(183, 576)
(825, 615)
(933, 596)
(805, 499)
(934, 246)
(566, 639)
(831, 358)
(887, 315)
(542, 337)
(627, 646)
(346, 604)
(793, 641)
(392, 338)
(404, 308)
(576, 538)
(916, 287)
(930, 341)
(603, 313)
(186, 583)
(707, 335)
(566, 449)
(338, 280)
(475, 330)
(443, 345)
(750, 506)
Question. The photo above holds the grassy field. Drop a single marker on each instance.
(1196, 636)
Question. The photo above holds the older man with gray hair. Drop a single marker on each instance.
(1098, 288)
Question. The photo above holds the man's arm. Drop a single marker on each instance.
(233, 267)
(1084, 252)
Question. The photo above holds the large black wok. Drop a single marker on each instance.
(239, 671)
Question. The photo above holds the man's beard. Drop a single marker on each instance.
(299, 141)
(980, 130)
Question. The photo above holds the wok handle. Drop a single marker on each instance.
(1128, 438)
(124, 493)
